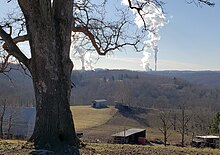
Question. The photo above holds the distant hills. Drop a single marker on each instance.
(161, 89)
(166, 89)
(209, 78)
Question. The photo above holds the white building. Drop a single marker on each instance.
(102, 103)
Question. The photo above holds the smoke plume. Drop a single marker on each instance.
(82, 51)
(152, 15)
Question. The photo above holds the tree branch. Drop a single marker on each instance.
(207, 2)
(11, 47)
(4, 65)
(111, 44)
(20, 39)
(199, 2)
(90, 35)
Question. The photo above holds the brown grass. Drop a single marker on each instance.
(112, 149)
(87, 117)
(102, 123)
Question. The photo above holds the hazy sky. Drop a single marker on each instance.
(190, 41)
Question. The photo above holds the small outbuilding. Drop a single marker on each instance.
(102, 103)
(206, 141)
(130, 136)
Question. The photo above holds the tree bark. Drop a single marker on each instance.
(49, 32)
(165, 137)
(54, 126)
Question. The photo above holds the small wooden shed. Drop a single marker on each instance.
(130, 136)
(102, 103)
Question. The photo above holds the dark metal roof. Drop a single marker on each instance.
(128, 132)
(101, 100)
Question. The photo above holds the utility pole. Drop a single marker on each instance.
(155, 61)
(124, 135)
(219, 134)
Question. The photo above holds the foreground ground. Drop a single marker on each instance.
(100, 124)
(113, 149)
(17, 148)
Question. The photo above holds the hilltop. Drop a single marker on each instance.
(208, 78)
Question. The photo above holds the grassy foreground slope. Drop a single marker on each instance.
(18, 148)
(113, 149)
(104, 122)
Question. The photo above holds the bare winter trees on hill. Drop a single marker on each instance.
(47, 26)
(166, 125)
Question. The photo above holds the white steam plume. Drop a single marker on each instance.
(82, 51)
(144, 60)
(155, 19)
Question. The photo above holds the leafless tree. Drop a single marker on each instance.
(166, 125)
(174, 120)
(201, 120)
(10, 119)
(183, 123)
(47, 26)
(2, 114)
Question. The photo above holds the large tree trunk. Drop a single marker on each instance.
(49, 32)
(54, 125)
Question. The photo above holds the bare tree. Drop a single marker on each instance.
(2, 114)
(174, 120)
(123, 93)
(10, 119)
(183, 123)
(166, 125)
(201, 120)
(47, 26)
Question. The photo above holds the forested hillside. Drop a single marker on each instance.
(16, 87)
(141, 89)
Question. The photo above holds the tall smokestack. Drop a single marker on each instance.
(155, 61)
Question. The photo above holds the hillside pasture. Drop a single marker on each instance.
(86, 117)
(102, 123)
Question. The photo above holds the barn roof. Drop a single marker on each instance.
(101, 100)
(128, 132)
(208, 137)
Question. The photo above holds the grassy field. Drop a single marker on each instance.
(112, 149)
(102, 123)
(174, 138)
(11, 147)
(86, 117)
